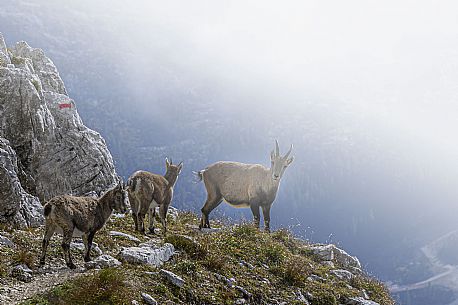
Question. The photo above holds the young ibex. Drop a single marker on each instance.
(244, 185)
(80, 215)
(148, 191)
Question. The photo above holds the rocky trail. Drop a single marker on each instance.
(16, 292)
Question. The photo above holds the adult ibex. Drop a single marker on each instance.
(80, 215)
(244, 185)
(148, 191)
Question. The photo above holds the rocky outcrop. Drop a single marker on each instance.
(46, 150)
(103, 261)
(4, 58)
(16, 204)
(335, 254)
(147, 254)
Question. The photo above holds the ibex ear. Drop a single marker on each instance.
(167, 163)
(289, 161)
(272, 155)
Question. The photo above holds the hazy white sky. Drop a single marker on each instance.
(354, 47)
(395, 59)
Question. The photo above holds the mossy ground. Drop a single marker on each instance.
(271, 267)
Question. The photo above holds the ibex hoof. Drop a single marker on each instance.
(87, 259)
(71, 266)
(151, 231)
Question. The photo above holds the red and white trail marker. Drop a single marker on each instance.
(65, 105)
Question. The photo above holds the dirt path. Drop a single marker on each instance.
(14, 292)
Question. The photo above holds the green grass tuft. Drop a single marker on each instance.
(187, 244)
(107, 287)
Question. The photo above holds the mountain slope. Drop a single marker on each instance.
(233, 264)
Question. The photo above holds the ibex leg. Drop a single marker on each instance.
(49, 231)
(151, 216)
(256, 215)
(163, 214)
(209, 206)
(266, 214)
(68, 234)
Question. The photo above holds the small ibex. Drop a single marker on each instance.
(244, 185)
(148, 191)
(80, 216)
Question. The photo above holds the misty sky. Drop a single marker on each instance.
(394, 60)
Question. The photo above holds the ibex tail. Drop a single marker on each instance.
(199, 175)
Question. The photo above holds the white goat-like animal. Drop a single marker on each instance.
(244, 185)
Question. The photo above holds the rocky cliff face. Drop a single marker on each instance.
(45, 149)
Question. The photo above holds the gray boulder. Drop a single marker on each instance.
(103, 261)
(172, 278)
(4, 241)
(78, 245)
(148, 299)
(148, 254)
(332, 253)
(22, 273)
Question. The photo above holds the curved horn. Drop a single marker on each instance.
(289, 151)
(277, 148)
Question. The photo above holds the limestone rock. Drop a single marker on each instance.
(79, 246)
(4, 241)
(54, 152)
(22, 273)
(246, 294)
(155, 256)
(16, 205)
(342, 274)
(4, 58)
(229, 282)
(172, 278)
(332, 253)
(124, 235)
(360, 301)
(301, 298)
(103, 261)
(42, 65)
(148, 299)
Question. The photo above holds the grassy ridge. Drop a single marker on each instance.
(271, 268)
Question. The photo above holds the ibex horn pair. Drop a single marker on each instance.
(277, 150)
